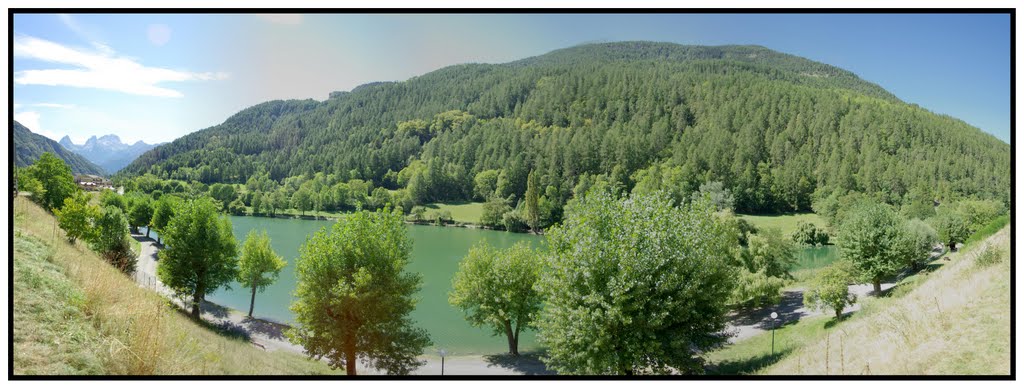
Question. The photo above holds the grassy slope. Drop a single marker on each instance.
(468, 213)
(74, 314)
(954, 321)
(787, 222)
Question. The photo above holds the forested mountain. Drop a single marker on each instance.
(108, 151)
(28, 146)
(778, 130)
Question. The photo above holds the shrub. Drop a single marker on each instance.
(830, 289)
(988, 257)
(112, 239)
(809, 234)
(236, 207)
(921, 238)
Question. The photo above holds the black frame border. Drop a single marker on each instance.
(11, 12)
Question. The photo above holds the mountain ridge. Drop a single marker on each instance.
(779, 130)
(29, 146)
(108, 151)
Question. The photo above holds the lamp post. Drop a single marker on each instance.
(774, 316)
(443, 353)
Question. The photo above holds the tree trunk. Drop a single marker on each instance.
(147, 231)
(252, 302)
(158, 240)
(350, 357)
(952, 246)
(513, 345)
(839, 313)
(878, 286)
(196, 298)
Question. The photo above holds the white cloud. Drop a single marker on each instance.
(158, 34)
(289, 19)
(53, 105)
(30, 120)
(100, 70)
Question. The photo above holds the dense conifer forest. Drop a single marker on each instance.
(779, 132)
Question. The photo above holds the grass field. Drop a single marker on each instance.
(785, 222)
(953, 320)
(468, 213)
(754, 353)
(75, 314)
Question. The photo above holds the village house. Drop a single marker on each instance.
(92, 182)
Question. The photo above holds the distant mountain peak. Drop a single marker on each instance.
(108, 151)
(66, 142)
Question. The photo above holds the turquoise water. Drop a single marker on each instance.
(435, 255)
(810, 257)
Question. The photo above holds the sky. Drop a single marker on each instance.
(157, 77)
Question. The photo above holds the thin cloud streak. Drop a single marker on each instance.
(99, 70)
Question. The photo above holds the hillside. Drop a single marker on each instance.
(28, 146)
(952, 318)
(778, 130)
(108, 151)
(76, 314)
(913, 334)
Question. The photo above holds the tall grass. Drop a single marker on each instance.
(139, 331)
(957, 321)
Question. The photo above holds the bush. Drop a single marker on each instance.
(756, 289)
(988, 257)
(978, 213)
(493, 212)
(112, 239)
(921, 239)
(809, 234)
(514, 222)
(951, 226)
(417, 213)
(237, 207)
(830, 289)
(991, 228)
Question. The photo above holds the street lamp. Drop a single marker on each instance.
(443, 353)
(774, 316)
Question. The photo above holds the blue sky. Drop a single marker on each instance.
(158, 77)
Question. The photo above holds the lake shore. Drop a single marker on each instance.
(269, 335)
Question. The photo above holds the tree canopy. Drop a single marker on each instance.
(259, 265)
(874, 238)
(354, 296)
(634, 285)
(496, 288)
(201, 253)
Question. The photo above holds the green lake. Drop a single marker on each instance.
(436, 254)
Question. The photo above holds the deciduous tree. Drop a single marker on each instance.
(495, 289)
(354, 295)
(634, 285)
(259, 265)
(201, 254)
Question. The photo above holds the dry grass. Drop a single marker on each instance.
(133, 330)
(957, 321)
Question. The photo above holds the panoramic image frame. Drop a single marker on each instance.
(388, 195)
